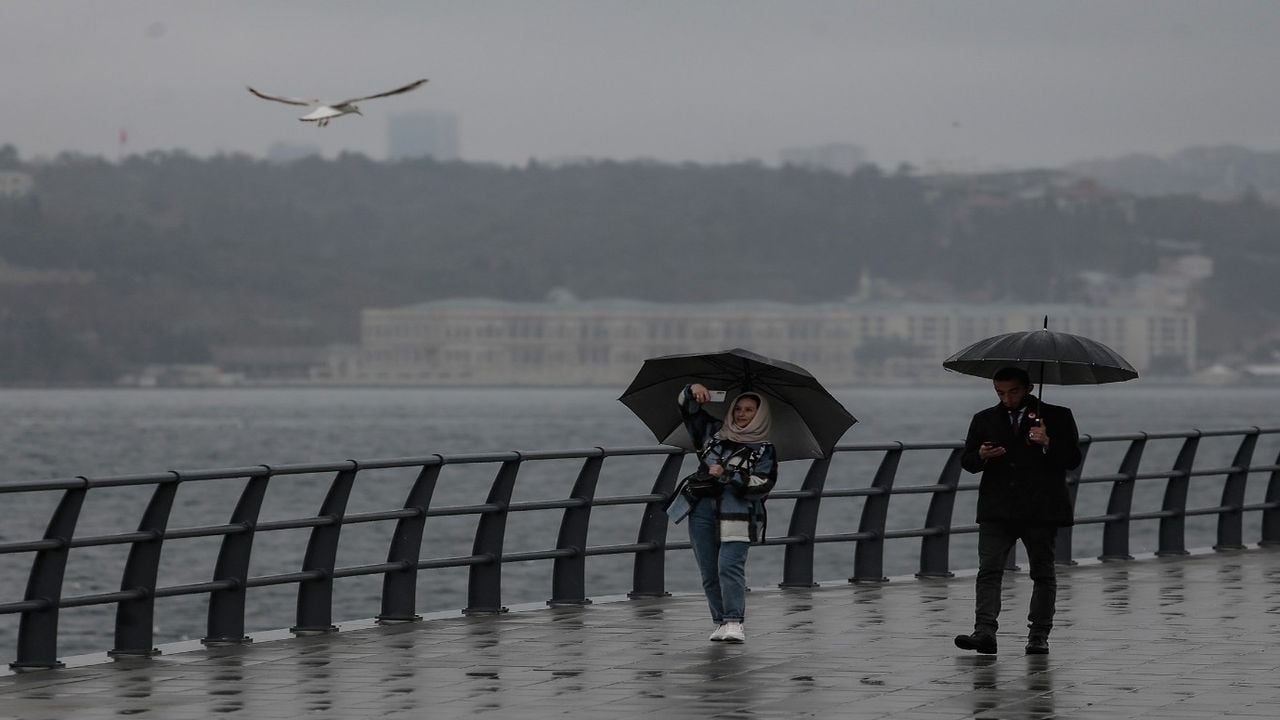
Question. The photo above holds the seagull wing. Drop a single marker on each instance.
(285, 100)
(397, 91)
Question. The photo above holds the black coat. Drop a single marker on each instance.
(1028, 484)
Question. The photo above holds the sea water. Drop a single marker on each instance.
(62, 433)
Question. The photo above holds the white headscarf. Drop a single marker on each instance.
(756, 431)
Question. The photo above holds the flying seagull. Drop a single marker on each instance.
(322, 112)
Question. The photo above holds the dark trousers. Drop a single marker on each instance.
(995, 540)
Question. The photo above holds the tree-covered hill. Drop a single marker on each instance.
(160, 257)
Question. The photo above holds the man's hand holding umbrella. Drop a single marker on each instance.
(1038, 434)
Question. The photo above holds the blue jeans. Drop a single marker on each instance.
(723, 565)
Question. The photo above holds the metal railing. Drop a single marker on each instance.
(230, 583)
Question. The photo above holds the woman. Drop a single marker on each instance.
(729, 516)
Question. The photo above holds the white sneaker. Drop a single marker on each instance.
(718, 634)
(733, 632)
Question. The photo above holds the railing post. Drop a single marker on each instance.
(400, 587)
(1115, 533)
(797, 561)
(648, 576)
(868, 560)
(1173, 528)
(568, 574)
(484, 588)
(135, 619)
(315, 597)
(1062, 543)
(1271, 516)
(226, 606)
(935, 550)
(38, 629)
(1230, 523)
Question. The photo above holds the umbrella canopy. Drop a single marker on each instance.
(1056, 358)
(807, 420)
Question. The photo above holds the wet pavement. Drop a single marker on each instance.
(1189, 637)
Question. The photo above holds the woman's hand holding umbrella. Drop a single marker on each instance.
(700, 392)
(703, 395)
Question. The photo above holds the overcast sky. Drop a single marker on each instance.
(962, 84)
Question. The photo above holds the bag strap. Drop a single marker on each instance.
(675, 493)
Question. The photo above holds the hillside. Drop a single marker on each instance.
(160, 258)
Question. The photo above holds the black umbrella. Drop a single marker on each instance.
(1056, 358)
(807, 421)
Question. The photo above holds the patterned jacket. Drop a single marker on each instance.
(751, 471)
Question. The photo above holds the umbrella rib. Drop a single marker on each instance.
(655, 383)
(728, 372)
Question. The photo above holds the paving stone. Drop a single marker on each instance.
(1155, 638)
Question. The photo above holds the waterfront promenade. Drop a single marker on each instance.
(1180, 637)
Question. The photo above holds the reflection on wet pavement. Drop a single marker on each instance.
(1158, 638)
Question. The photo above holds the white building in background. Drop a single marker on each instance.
(1174, 284)
(423, 134)
(15, 183)
(604, 342)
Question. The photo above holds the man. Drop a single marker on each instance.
(1023, 448)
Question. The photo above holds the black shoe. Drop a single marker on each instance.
(984, 643)
(1037, 645)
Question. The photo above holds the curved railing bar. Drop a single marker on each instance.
(134, 601)
(226, 605)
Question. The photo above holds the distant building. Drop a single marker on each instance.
(180, 375)
(19, 275)
(836, 157)
(267, 363)
(1174, 284)
(423, 134)
(1261, 374)
(15, 184)
(572, 342)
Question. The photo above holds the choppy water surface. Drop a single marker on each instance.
(64, 433)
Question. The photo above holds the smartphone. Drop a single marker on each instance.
(717, 395)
